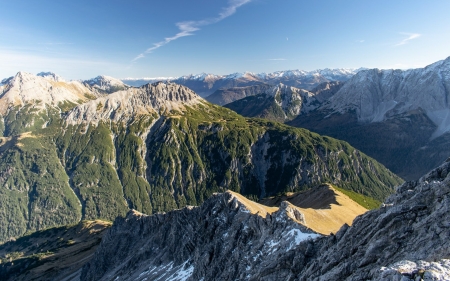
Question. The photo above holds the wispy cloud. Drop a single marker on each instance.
(277, 59)
(411, 36)
(55, 43)
(187, 28)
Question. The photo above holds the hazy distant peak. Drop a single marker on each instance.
(52, 76)
(106, 83)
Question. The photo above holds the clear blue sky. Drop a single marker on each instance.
(149, 38)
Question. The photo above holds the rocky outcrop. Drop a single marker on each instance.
(126, 105)
(377, 94)
(279, 103)
(227, 238)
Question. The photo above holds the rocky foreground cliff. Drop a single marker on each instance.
(230, 238)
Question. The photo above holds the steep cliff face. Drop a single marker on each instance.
(157, 148)
(231, 238)
(377, 95)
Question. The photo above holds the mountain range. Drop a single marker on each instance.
(399, 117)
(72, 151)
(206, 84)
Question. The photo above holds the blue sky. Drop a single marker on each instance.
(159, 38)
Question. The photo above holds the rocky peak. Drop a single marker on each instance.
(159, 97)
(106, 83)
(227, 238)
(51, 76)
(6, 80)
(326, 90)
(26, 88)
(293, 100)
(376, 94)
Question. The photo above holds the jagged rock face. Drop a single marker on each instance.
(125, 105)
(106, 83)
(398, 117)
(378, 94)
(326, 90)
(224, 239)
(406, 237)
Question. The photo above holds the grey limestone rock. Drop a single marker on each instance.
(227, 238)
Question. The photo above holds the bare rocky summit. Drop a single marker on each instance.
(106, 84)
(125, 105)
(40, 91)
(377, 94)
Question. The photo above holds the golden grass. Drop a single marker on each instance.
(254, 207)
(330, 220)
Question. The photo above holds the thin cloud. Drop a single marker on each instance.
(55, 43)
(187, 28)
(411, 36)
(277, 59)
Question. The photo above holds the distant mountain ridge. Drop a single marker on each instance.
(391, 115)
(206, 84)
(400, 117)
